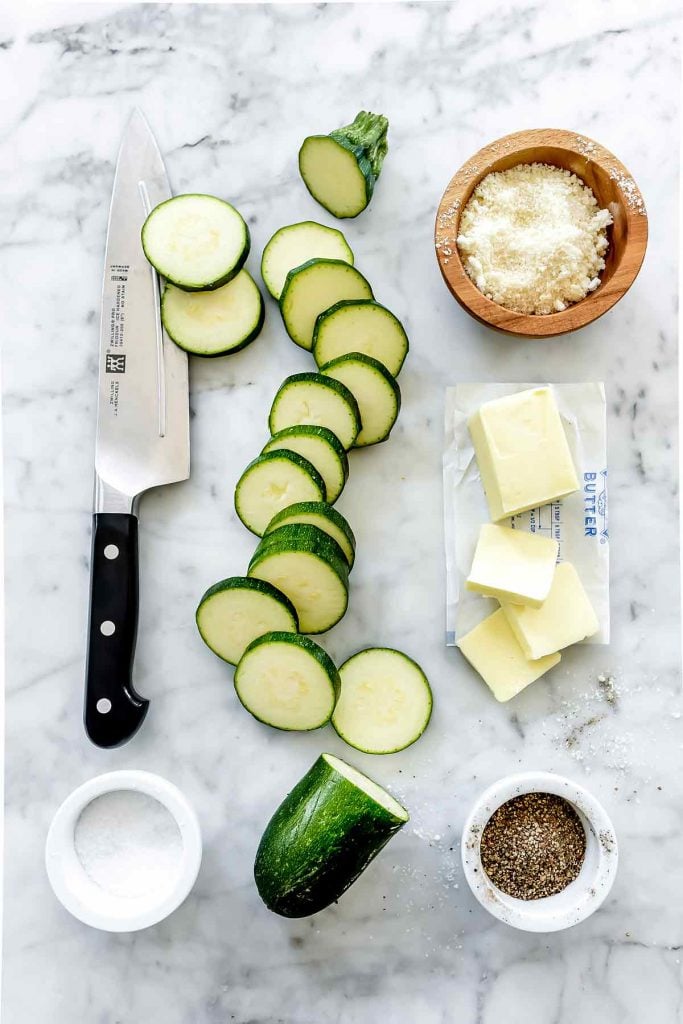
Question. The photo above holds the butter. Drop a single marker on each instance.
(522, 452)
(492, 649)
(513, 565)
(565, 618)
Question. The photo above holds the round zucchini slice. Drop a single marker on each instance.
(310, 568)
(234, 612)
(385, 702)
(287, 681)
(377, 393)
(272, 482)
(214, 323)
(318, 513)
(322, 448)
(322, 837)
(314, 287)
(360, 326)
(312, 398)
(196, 242)
(296, 244)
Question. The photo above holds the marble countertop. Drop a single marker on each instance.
(229, 92)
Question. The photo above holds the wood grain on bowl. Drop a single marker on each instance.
(614, 189)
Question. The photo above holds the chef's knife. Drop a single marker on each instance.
(143, 436)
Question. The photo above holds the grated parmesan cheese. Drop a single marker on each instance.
(533, 238)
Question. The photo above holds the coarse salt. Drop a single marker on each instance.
(533, 238)
(129, 844)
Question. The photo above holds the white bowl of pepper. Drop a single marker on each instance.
(539, 852)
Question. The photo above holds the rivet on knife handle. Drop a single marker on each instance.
(113, 710)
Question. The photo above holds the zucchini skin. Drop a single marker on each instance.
(252, 336)
(321, 838)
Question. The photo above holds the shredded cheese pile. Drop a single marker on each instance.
(533, 238)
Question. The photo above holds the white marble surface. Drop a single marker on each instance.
(230, 91)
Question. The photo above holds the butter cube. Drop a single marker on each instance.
(513, 565)
(522, 452)
(492, 649)
(565, 618)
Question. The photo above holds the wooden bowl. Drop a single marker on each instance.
(613, 187)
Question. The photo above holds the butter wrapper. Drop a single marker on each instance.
(578, 522)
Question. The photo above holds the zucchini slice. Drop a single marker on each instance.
(385, 702)
(375, 390)
(311, 398)
(272, 482)
(322, 837)
(287, 681)
(360, 326)
(340, 169)
(216, 322)
(296, 244)
(314, 287)
(197, 242)
(310, 568)
(318, 513)
(322, 448)
(236, 611)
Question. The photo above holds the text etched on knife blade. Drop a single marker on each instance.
(115, 361)
(118, 275)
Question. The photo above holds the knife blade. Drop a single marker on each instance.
(143, 435)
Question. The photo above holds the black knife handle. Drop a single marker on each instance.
(113, 710)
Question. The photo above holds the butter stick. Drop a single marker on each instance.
(522, 452)
(513, 565)
(565, 618)
(492, 649)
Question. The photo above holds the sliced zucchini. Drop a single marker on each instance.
(360, 326)
(311, 398)
(197, 242)
(236, 611)
(340, 169)
(385, 702)
(318, 513)
(314, 287)
(272, 482)
(287, 681)
(216, 322)
(296, 244)
(322, 448)
(310, 568)
(375, 390)
(322, 837)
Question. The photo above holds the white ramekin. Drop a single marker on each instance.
(583, 896)
(86, 900)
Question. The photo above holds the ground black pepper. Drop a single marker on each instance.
(533, 846)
